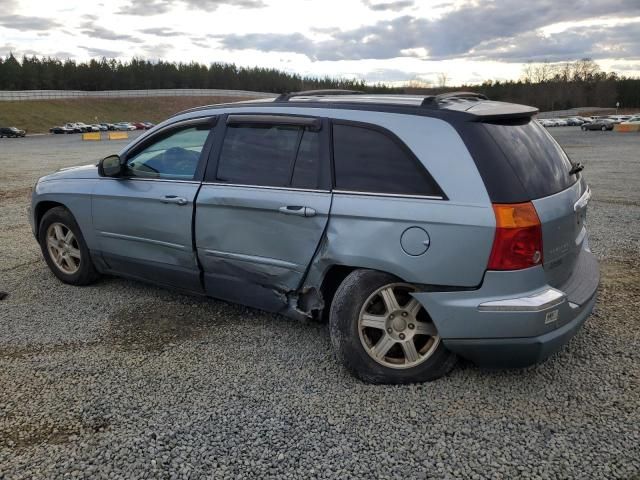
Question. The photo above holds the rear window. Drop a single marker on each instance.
(536, 159)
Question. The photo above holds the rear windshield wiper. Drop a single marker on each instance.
(577, 167)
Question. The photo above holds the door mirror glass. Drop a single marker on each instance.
(110, 166)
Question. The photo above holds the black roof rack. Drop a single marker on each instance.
(287, 96)
(434, 101)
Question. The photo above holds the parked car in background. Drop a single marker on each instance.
(633, 120)
(619, 118)
(11, 132)
(615, 119)
(314, 205)
(83, 127)
(574, 121)
(140, 125)
(547, 122)
(75, 128)
(108, 126)
(100, 127)
(149, 125)
(561, 122)
(600, 124)
(124, 126)
(60, 130)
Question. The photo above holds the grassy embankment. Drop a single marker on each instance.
(38, 116)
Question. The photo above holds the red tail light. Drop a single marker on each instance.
(518, 240)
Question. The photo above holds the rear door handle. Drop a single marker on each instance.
(175, 200)
(297, 210)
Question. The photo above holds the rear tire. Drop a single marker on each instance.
(64, 248)
(385, 345)
(584, 129)
(604, 129)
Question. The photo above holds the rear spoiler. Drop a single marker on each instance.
(491, 111)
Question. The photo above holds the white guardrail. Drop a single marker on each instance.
(18, 95)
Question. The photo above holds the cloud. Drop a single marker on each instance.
(214, 4)
(146, 8)
(395, 6)
(101, 52)
(390, 75)
(161, 32)
(96, 31)
(455, 34)
(157, 7)
(6, 49)
(25, 23)
(627, 67)
(157, 51)
(7, 6)
(578, 42)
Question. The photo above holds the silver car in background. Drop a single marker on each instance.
(421, 228)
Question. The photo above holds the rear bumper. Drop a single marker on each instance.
(514, 319)
(519, 352)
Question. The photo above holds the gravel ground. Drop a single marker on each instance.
(123, 380)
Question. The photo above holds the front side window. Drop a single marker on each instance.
(270, 155)
(175, 156)
(370, 160)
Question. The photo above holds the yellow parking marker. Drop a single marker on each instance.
(118, 135)
(91, 136)
(629, 127)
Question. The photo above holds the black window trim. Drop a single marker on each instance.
(166, 131)
(403, 146)
(210, 176)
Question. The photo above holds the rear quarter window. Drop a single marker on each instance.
(541, 166)
(370, 159)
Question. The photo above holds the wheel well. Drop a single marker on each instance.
(41, 209)
(332, 280)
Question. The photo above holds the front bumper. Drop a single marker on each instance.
(514, 319)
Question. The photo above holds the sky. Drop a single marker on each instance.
(470, 41)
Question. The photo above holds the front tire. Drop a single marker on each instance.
(604, 129)
(64, 248)
(382, 334)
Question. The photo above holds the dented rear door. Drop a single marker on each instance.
(263, 209)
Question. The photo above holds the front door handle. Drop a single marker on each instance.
(175, 200)
(298, 210)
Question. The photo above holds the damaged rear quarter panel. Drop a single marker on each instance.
(365, 232)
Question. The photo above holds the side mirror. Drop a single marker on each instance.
(110, 166)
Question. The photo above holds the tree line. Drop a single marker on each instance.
(557, 86)
(33, 73)
(547, 86)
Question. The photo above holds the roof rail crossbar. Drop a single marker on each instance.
(306, 93)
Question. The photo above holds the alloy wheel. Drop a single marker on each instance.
(63, 248)
(395, 330)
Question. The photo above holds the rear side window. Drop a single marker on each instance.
(537, 160)
(270, 155)
(369, 159)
